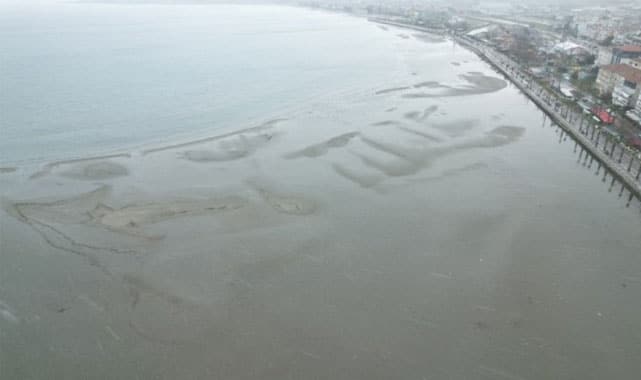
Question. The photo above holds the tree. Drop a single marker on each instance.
(607, 41)
(589, 60)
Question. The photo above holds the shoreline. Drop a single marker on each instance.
(260, 246)
(43, 166)
(632, 183)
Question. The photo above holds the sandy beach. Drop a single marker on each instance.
(431, 226)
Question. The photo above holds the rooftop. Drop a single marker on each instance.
(629, 48)
(569, 47)
(628, 72)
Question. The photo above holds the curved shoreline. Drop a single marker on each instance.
(45, 166)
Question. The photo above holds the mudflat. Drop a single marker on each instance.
(432, 225)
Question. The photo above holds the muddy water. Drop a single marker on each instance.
(371, 235)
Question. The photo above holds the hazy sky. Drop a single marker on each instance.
(573, 2)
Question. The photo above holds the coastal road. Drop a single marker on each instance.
(624, 162)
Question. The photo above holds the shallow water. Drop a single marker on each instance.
(362, 235)
(90, 79)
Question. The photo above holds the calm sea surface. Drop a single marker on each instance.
(83, 80)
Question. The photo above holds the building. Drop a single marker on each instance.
(569, 48)
(634, 62)
(625, 52)
(625, 96)
(621, 81)
(635, 113)
(604, 57)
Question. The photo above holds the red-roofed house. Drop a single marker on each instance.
(635, 62)
(622, 81)
(622, 53)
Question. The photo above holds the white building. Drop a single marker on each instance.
(624, 96)
(635, 113)
(623, 82)
(605, 56)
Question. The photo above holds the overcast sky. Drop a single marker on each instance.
(601, 2)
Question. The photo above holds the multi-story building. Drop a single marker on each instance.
(625, 96)
(634, 62)
(604, 56)
(635, 113)
(621, 53)
(622, 81)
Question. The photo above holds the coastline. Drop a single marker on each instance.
(632, 182)
(350, 238)
(628, 179)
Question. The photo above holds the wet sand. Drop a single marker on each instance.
(380, 236)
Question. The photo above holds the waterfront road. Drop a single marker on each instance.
(623, 162)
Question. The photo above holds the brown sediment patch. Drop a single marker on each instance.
(69, 224)
(477, 84)
(425, 135)
(365, 181)
(283, 201)
(391, 168)
(50, 166)
(485, 82)
(412, 115)
(451, 172)
(266, 125)
(505, 134)
(213, 155)
(421, 116)
(385, 123)
(392, 89)
(498, 116)
(410, 160)
(456, 128)
(387, 148)
(455, 64)
(321, 149)
(429, 84)
(429, 38)
(72, 210)
(291, 204)
(434, 178)
(7, 170)
(131, 219)
(100, 170)
(51, 219)
(92, 210)
(419, 95)
(231, 148)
